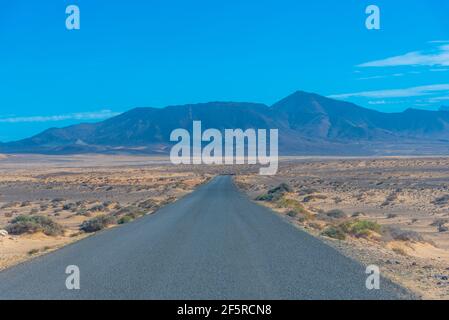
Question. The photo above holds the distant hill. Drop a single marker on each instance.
(309, 124)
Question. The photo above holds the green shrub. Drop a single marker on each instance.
(269, 197)
(125, 219)
(69, 206)
(275, 194)
(291, 204)
(360, 228)
(97, 223)
(292, 213)
(33, 252)
(133, 212)
(334, 232)
(33, 224)
(148, 204)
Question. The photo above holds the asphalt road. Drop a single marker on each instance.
(212, 244)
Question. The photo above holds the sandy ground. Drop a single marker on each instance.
(411, 194)
(71, 190)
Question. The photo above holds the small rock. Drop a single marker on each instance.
(3, 233)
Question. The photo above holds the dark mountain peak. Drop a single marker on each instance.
(312, 103)
(297, 99)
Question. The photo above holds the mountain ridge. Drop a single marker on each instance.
(308, 123)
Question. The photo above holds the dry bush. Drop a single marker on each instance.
(33, 224)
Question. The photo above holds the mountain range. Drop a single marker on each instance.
(309, 124)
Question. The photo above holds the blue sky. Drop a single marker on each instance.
(157, 53)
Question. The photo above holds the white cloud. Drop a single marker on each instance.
(396, 93)
(96, 115)
(439, 99)
(437, 57)
(373, 77)
(380, 102)
(439, 41)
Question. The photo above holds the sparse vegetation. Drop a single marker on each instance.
(275, 194)
(443, 200)
(360, 228)
(125, 219)
(148, 204)
(33, 224)
(33, 252)
(293, 205)
(334, 232)
(132, 211)
(292, 213)
(69, 206)
(354, 228)
(97, 223)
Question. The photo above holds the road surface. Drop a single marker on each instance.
(213, 244)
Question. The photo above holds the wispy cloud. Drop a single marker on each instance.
(439, 41)
(438, 56)
(439, 70)
(439, 99)
(397, 93)
(96, 115)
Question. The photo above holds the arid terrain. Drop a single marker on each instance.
(389, 212)
(47, 202)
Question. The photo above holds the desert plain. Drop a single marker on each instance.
(67, 198)
(390, 212)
